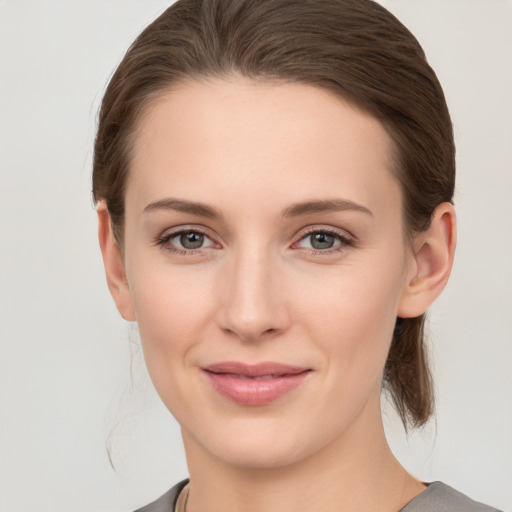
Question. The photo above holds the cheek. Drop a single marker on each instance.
(351, 318)
(173, 307)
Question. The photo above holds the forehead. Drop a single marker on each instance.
(213, 140)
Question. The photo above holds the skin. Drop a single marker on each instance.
(257, 290)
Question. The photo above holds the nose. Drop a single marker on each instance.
(254, 302)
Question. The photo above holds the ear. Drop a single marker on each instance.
(114, 265)
(431, 263)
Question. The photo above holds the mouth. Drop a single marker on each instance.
(258, 384)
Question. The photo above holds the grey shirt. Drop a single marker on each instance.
(437, 497)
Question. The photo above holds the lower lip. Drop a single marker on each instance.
(247, 391)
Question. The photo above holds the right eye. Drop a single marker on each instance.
(185, 241)
(189, 240)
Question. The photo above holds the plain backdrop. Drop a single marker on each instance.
(69, 383)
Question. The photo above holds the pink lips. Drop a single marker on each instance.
(257, 384)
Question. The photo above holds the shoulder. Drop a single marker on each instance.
(167, 502)
(439, 497)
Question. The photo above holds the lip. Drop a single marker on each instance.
(257, 384)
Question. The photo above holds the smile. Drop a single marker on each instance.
(254, 384)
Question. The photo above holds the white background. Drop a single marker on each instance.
(66, 379)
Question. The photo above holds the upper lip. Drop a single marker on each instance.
(254, 370)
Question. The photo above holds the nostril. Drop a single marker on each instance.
(250, 334)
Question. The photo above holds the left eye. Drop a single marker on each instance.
(322, 240)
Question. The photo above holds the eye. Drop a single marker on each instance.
(185, 241)
(324, 241)
(321, 241)
(189, 240)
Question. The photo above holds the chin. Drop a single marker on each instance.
(254, 456)
(259, 445)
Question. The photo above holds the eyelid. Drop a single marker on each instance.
(322, 228)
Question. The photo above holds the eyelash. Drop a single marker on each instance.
(344, 241)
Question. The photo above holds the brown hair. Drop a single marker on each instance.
(354, 48)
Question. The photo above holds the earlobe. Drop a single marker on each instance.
(114, 265)
(433, 254)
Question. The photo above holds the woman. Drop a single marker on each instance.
(274, 184)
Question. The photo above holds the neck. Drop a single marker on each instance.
(355, 473)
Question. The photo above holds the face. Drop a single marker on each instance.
(266, 265)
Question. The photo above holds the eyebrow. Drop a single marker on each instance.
(180, 205)
(295, 210)
(326, 205)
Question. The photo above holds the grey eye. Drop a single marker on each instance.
(322, 240)
(191, 240)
